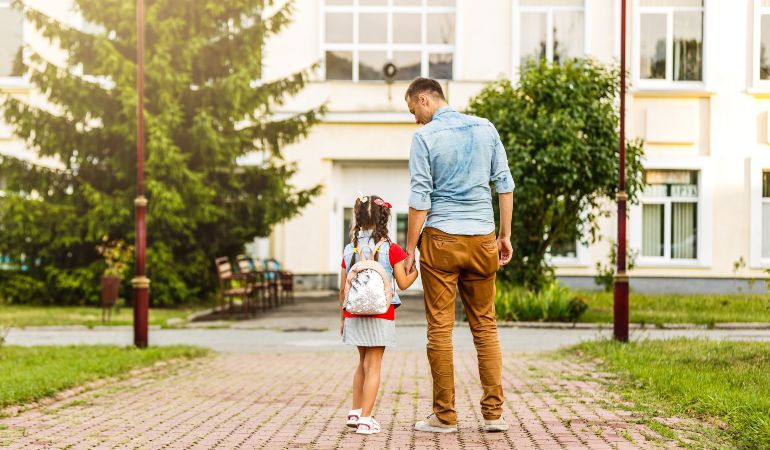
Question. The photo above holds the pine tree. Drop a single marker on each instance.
(205, 108)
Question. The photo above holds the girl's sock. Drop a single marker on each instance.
(355, 412)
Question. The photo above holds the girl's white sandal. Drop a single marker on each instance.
(367, 425)
(353, 416)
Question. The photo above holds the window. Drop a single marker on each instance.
(669, 41)
(402, 223)
(552, 29)
(670, 215)
(762, 42)
(11, 43)
(765, 215)
(564, 248)
(361, 36)
(347, 222)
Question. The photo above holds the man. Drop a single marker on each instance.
(453, 159)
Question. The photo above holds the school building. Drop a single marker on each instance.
(699, 97)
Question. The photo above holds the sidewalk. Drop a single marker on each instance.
(299, 400)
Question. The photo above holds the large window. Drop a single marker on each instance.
(670, 215)
(361, 36)
(765, 215)
(762, 42)
(669, 41)
(11, 22)
(551, 29)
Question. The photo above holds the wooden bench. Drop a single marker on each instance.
(282, 280)
(263, 294)
(233, 285)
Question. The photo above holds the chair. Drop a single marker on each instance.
(281, 279)
(259, 282)
(228, 290)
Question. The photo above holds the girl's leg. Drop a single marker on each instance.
(358, 379)
(372, 364)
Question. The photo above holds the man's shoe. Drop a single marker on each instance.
(432, 425)
(495, 425)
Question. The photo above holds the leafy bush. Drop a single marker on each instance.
(605, 274)
(554, 303)
(559, 125)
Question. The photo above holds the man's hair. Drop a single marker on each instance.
(420, 85)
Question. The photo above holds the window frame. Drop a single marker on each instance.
(668, 83)
(704, 216)
(18, 81)
(389, 47)
(581, 258)
(757, 166)
(758, 12)
(517, 10)
(667, 203)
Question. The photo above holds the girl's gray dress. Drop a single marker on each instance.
(370, 331)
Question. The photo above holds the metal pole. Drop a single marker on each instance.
(620, 310)
(140, 282)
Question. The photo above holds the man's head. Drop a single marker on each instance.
(423, 98)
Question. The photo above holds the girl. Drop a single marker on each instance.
(371, 334)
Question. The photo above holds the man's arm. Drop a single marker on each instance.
(500, 174)
(421, 188)
(504, 235)
(414, 227)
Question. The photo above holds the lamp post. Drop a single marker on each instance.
(140, 282)
(620, 310)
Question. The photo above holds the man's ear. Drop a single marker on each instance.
(424, 99)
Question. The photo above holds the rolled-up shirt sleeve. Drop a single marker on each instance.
(420, 175)
(501, 173)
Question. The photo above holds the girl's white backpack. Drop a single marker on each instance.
(367, 289)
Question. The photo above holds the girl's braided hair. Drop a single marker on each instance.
(370, 216)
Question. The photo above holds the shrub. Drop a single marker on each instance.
(605, 274)
(554, 303)
(559, 126)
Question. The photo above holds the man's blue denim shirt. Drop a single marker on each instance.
(453, 159)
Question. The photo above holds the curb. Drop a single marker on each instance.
(639, 326)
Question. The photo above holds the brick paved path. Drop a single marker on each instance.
(299, 400)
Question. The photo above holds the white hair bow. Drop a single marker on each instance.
(361, 197)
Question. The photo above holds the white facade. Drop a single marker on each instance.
(700, 96)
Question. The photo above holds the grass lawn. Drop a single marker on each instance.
(705, 380)
(27, 316)
(31, 373)
(680, 308)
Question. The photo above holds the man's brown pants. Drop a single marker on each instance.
(470, 262)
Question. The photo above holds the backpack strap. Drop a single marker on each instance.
(372, 251)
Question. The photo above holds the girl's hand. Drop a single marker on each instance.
(404, 280)
(342, 325)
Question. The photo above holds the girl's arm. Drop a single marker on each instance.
(343, 276)
(402, 279)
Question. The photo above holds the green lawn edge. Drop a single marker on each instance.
(29, 374)
(22, 316)
(661, 309)
(722, 385)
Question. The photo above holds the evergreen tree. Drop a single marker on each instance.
(205, 108)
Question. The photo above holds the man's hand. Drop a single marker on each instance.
(505, 249)
(409, 265)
